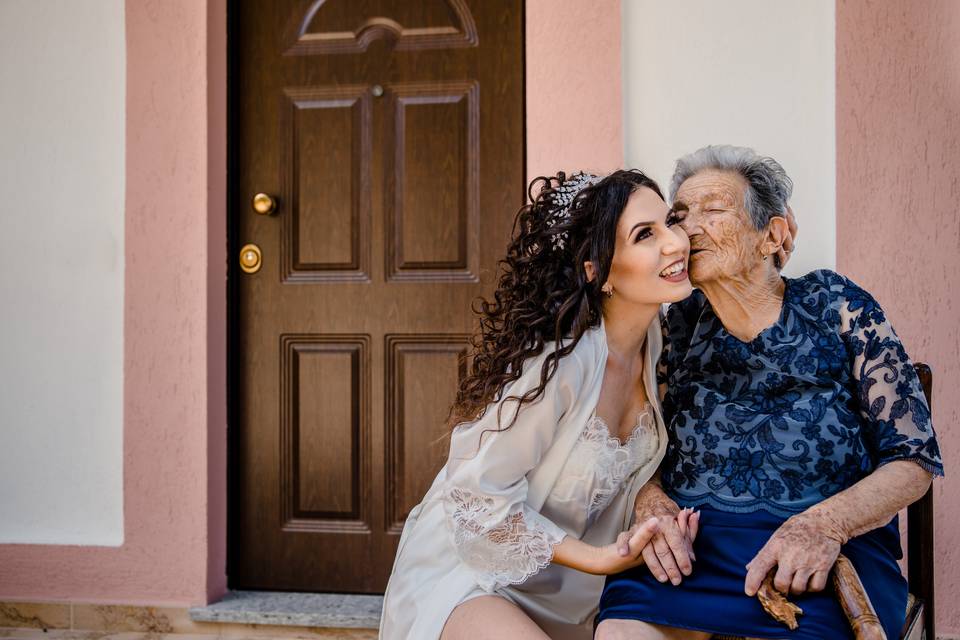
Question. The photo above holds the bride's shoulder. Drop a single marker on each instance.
(533, 364)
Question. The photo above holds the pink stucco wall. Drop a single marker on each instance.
(573, 76)
(174, 429)
(898, 189)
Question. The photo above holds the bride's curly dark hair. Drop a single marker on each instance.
(543, 294)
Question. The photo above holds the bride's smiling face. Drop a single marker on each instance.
(649, 263)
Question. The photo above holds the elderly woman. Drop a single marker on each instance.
(798, 427)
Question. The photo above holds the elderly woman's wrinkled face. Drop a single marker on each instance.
(723, 240)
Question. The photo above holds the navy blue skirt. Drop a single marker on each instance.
(712, 597)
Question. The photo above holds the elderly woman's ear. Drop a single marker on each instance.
(780, 240)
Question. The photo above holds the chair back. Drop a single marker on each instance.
(920, 532)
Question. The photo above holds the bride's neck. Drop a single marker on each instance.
(626, 326)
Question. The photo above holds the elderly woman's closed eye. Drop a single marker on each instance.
(796, 421)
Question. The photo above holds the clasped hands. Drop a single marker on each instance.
(668, 554)
(661, 538)
(803, 549)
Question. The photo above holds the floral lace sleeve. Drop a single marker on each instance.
(499, 537)
(891, 401)
(502, 544)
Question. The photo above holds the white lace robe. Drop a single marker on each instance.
(483, 526)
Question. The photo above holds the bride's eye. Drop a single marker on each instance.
(643, 234)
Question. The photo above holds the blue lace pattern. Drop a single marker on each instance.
(806, 409)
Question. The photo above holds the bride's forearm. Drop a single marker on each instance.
(607, 559)
(578, 555)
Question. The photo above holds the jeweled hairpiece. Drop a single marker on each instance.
(562, 198)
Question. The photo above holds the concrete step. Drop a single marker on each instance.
(335, 610)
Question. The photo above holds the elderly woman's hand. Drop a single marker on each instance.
(669, 556)
(789, 240)
(803, 549)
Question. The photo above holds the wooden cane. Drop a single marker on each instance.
(855, 601)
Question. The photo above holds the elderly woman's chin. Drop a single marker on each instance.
(703, 269)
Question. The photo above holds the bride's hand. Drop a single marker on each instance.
(610, 560)
(669, 556)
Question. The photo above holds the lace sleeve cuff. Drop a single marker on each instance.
(500, 550)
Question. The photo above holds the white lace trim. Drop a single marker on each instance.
(610, 460)
(501, 552)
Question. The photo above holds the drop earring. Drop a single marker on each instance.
(607, 290)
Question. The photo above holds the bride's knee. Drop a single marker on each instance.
(612, 629)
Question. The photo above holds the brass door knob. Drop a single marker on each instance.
(264, 204)
(250, 258)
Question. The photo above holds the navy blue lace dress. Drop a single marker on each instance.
(762, 430)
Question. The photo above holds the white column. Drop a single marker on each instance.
(62, 114)
(750, 73)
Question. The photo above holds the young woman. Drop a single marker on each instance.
(557, 425)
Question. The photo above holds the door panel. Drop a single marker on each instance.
(327, 141)
(422, 373)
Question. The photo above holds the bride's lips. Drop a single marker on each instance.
(679, 276)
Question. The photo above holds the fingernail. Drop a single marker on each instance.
(675, 581)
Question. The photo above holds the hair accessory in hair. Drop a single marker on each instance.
(563, 197)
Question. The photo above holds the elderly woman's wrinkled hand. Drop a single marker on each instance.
(804, 550)
(669, 556)
(790, 239)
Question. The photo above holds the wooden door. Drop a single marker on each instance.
(390, 135)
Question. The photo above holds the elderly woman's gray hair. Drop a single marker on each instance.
(768, 186)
